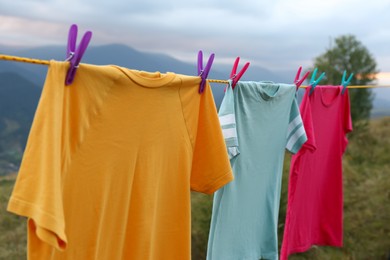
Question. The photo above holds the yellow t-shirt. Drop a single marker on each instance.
(110, 163)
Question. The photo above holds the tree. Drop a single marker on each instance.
(349, 54)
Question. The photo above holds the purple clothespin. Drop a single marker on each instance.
(74, 55)
(203, 73)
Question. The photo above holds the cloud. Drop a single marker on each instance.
(29, 32)
(277, 34)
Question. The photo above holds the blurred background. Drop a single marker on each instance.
(276, 37)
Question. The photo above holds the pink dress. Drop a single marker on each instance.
(315, 192)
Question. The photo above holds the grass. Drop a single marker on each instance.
(13, 237)
(366, 167)
(201, 217)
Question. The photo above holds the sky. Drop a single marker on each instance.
(277, 34)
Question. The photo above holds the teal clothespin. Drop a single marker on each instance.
(344, 82)
(314, 82)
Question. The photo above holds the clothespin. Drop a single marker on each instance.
(298, 82)
(203, 73)
(234, 76)
(74, 55)
(344, 82)
(314, 82)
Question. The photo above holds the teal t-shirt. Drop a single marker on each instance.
(259, 120)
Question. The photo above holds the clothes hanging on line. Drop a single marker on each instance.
(110, 163)
(259, 121)
(228, 198)
(218, 81)
(315, 198)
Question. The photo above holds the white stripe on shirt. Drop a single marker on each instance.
(229, 133)
(227, 119)
(295, 137)
(293, 124)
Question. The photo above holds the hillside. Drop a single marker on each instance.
(13, 237)
(366, 205)
(381, 107)
(18, 101)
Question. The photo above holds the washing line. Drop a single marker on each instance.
(219, 81)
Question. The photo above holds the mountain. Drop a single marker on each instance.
(24, 70)
(18, 101)
(126, 56)
(381, 107)
(102, 55)
(117, 54)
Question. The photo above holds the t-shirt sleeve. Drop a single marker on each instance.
(306, 114)
(347, 119)
(227, 119)
(296, 135)
(37, 191)
(210, 167)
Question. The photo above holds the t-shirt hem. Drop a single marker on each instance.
(217, 184)
(302, 249)
(270, 256)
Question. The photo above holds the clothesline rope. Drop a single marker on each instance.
(22, 59)
(219, 81)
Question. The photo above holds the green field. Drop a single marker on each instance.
(366, 205)
(12, 228)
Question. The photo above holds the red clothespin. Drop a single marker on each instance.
(203, 73)
(298, 82)
(74, 55)
(234, 76)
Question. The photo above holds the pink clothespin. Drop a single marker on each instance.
(234, 76)
(74, 55)
(298, 82)
(203, 73)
